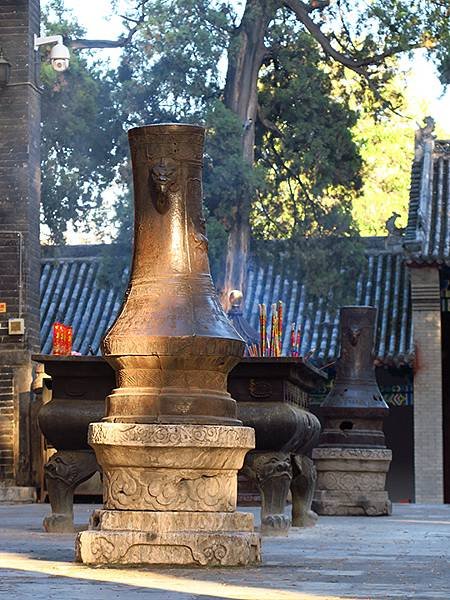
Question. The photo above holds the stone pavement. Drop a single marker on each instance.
(403, 556)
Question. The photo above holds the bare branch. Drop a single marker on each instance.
(301, 10)
(123, 40)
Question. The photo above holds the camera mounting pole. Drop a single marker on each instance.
(50, 39)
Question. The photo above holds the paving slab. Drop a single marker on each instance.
(403, 556)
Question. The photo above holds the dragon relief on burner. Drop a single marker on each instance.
(163, 180)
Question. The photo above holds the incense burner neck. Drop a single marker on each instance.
(170, 233)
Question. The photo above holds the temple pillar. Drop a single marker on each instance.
(428, 423)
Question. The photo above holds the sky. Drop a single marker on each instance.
(423, 83)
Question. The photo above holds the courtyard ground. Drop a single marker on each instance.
(403, 556)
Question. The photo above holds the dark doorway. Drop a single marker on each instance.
(398, 429)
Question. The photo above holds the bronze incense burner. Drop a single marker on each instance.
(170, 445)
(354, 410)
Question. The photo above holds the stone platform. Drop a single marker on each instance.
(399, 557)
(175, 538)
(170, 495)
(351, 481)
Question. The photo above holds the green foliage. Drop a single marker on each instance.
(387, 149)
(311, 162)
(388, 27)
(311, 165)
(228, 179)
(170, 71)
(80, 134)
(316, 143)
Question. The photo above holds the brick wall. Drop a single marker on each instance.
(19, 227)
(7, 429)
(428, 435)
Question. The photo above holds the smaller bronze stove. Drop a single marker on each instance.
(354, 410)
(352, 459)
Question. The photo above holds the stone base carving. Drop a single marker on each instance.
(169, 496)
(175, 538)
(272, 472)
(351, 481)
(63, 473)
(302, 487)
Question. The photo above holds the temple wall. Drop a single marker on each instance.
(19, 232)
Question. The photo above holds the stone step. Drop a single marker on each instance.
(11, 494)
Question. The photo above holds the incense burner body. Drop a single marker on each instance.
(272, 396)
(172, 345)
(79, 387)
(352, 459)
(171, 444)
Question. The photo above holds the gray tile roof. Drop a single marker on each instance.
(427, 235)
(385, 284)
(71, 293)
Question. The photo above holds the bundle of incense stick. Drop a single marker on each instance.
(262, 330)
(274, 345)
(276, 330)
(280, 328)
(253, 350)
(273, 325)
(296, 340)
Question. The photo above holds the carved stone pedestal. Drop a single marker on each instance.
(170, 496)
(351, 481)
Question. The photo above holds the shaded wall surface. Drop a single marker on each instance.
(19, 234)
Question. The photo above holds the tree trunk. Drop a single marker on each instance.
(245, 56)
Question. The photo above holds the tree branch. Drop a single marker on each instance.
(123, 40)
(317, 5)
(83, 44)
(301, 10)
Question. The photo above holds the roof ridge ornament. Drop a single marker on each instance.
(423, 136)
(393, 241)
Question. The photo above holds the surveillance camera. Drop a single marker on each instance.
(59, 57)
